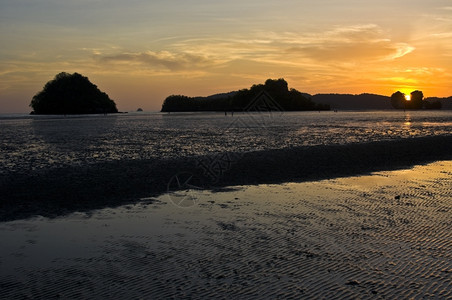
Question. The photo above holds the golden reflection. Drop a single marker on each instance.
(407, 122)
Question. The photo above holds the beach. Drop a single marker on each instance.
(384, 235)
(56, 165)
(226, 149)
(275, 205)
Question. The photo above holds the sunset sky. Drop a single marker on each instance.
(141, 51)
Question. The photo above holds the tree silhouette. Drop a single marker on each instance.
(176, 103)
(240, 100)
(416, 101)
(71, 94)
(432, 104)
(290, 100)
(398, 100)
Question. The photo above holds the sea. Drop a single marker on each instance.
(30, 143)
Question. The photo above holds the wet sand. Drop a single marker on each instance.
(58, 191)
(382, 236)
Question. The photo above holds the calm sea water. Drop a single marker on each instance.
(29, 143)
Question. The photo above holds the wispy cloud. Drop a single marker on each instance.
(173, 61)
(352, 43)
(367, 42)
(335, 52)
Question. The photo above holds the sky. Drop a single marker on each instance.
(141, 51)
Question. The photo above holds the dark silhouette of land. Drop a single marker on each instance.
(292, 100)
(446, 102)
(354, 102)
(277, 92)
(380, 102)
(415, 100)
(71, 94)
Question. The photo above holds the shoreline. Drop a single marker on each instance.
(56, 192)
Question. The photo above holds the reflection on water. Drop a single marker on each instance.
(407, 123)
(39, 142)
(407, 120)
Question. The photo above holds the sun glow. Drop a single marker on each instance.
(408, 97)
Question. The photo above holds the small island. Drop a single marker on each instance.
(415, 100)
(71, 94)
(277, 96)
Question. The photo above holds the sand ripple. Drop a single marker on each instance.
(383, 236)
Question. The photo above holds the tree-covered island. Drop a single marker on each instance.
(415, 100)
(277, 94)
(71, 94)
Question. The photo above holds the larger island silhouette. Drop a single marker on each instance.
(276, 91)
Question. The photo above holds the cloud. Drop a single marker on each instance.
(344, 45)
(353, 43)
(347, 44)
(163, 59)
(445, 35)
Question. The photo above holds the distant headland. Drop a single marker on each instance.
(71, 94)
(398, 100)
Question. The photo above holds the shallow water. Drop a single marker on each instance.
(346, 238)
(30, 143)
